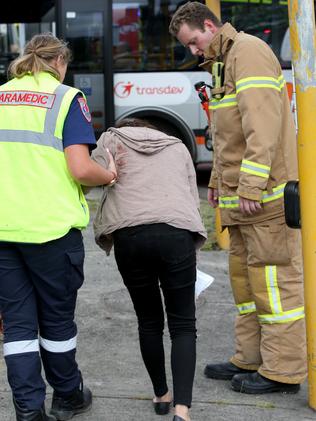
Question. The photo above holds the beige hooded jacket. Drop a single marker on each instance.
(252, 128)
(156, 184)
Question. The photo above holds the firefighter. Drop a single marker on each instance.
(254, 156)
(45, 136)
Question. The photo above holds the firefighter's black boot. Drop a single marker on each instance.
(28, 415)
(65, 407)
(223, 371)
(254, 383)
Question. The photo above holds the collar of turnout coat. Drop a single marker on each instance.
(228, 33)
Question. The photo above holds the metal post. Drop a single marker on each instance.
(303, 43)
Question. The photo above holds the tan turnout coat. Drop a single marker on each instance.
(252, 128)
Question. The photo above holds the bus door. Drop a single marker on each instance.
(87, 27)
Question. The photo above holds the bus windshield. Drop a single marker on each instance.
(266, 19)
(141, 39)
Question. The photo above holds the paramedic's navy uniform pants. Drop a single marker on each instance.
(38, 292)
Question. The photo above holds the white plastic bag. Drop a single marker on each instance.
(203, 281)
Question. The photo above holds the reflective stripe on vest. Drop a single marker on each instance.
(46, 138)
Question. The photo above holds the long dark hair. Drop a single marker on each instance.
(134, 122)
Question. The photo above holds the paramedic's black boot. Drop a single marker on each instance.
(79, 401)
(255, 384)
(223, 371)
(28, 415)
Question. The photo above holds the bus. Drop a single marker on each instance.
(126, 62)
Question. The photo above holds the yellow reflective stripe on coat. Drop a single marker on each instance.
(278, 192)
(228, 201)
(254, 168)
(227, 101)
(284, 317)
(233, 201)
(245, 308)
(260, 82)
(273, 289)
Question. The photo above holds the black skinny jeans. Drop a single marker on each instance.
(145, 255)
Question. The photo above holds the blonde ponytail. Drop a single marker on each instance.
(38, 55)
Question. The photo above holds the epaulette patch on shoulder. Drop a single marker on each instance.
(84, 108)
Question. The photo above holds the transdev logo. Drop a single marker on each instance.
(151, 89)
(123, 89)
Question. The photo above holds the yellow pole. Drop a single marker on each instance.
(303, 44)
(222, 237)
(215, 6)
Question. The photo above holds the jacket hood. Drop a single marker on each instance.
(143, 139)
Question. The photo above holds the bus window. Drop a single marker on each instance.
(83, 28)
(10, 47)
(266, 19)
(13, 36)
(141, 39)
(85, 34)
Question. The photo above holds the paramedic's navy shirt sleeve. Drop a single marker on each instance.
(77, 129)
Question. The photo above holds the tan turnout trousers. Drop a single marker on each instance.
(266, 277)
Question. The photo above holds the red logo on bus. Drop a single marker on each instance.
(122, 89)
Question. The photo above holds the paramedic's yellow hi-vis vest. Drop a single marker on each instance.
(40, 201)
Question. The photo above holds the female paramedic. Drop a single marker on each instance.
(45, 137)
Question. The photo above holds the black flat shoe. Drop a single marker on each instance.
(177, 418)
(255, 384)
(223, 371)
(161, 408)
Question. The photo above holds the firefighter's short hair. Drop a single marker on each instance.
(193, 14)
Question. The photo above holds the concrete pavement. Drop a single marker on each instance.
(111, 364)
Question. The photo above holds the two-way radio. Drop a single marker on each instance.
(218, 76)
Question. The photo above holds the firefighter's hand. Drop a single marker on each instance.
(249, 207)
(212, 197)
